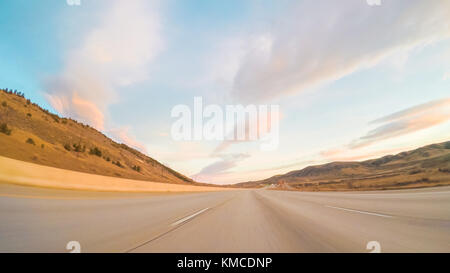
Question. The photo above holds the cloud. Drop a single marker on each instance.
(446, 76)
(220, 167)
(347, 155)
(226, 58)
(301, 51)
(261, 130)
(123, 135)
(331, 153)
(114, 54)
(81, 109)
(407, 121)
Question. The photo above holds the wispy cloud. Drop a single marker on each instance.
(123, 135)
(212, 171)
(348, 155)
(112, 55)
(344, 37)
(79, 108)
(407, 121)
(261, 130)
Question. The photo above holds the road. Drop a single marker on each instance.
(42, 220)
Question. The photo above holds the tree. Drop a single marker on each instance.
(4, 129)
(79, 148)
(67, 147)
(95, 151)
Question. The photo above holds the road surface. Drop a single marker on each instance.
(39, 220)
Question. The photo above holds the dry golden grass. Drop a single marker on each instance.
(28, 174)
(41, 137)
(428, 166)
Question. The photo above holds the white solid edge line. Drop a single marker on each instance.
(363, 212)
(188, 217)
(401, 193)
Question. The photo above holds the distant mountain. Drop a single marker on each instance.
(423, 167)
(33, 134)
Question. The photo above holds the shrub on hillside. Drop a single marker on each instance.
(95, 151)
(4, 104)
(29, 115)
(79, 148)
(137, 168)
(67, 147)
(118, 164)
(415, 172)
(30, 141)
(4, 129)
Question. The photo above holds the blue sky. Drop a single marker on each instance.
(333, 67)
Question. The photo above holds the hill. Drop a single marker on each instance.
(423, 167)
(33, 134)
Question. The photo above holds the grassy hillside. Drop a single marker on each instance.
(30, 133)
(423, 167)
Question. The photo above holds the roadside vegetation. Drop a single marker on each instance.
(69, 144)
(30, 141)
(95, 151)
(5, 129)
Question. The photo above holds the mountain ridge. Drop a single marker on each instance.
(31, 133)
(422, 167)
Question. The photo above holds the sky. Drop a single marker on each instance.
(353, 81)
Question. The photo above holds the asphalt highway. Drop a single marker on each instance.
(233, 221)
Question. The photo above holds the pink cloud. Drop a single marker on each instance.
(78, 108)
(343, 155)
(123, 135)
(219, 168)
(405, 122)
(261, 131)
(115, 53)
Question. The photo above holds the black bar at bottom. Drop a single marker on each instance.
(222, 262)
